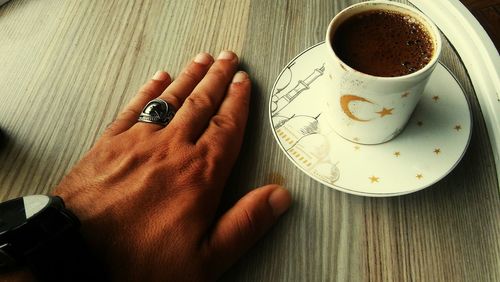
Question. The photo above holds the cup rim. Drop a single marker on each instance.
(430, 25)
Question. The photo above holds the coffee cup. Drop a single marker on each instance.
(380, 55)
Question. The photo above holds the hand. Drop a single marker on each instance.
(147, 195)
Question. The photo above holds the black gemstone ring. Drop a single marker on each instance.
(157, 111)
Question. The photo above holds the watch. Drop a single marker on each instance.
(39, 232)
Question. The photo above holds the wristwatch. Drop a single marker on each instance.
(39, 232)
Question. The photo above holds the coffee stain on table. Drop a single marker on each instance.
(276, 178)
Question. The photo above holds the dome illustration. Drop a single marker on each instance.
(327, 172)
(310, 150)
(303, 125)
(278, 121)
(315, 145)
(294, 129)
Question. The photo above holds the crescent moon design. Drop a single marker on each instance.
(344, 104)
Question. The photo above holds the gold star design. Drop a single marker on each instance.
(374, 179)
(356, 148)
(406, 94)
(435, 98)
(437, 151)
(457, 127)
(397, 154)
(385, 112)
(420, 176)
(420, 123)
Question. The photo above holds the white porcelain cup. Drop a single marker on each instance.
(370, 109)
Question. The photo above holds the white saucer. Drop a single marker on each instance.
(431, 145)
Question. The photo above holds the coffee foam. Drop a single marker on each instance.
(383, 43)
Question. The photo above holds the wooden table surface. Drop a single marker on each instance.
(68, 67)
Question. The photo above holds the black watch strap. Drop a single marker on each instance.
(51, 245)
(65, 256)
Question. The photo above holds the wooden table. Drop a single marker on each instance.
(68, 67)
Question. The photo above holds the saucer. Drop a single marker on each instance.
(430, 146)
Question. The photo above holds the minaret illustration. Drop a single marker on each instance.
(280, 101)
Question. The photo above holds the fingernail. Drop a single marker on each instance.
(160, 75)
(203, 58)
(240, 77)
(226, 55)
(279, 200)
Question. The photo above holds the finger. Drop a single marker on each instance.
(182, 86)
(128, 117)
(224, 134)
(240, 227)
(204, 101)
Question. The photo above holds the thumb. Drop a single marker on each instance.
(242, 225)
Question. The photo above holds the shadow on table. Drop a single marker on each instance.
(4, 139)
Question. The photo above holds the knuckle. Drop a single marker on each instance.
(225, 122)
(246, 223)
(112, 126)
(126, 116)
(191, 73)
(151, 176)
(200, 101)
(132, 159)
(205, 167)
(201, 167)
(212, 155)
(220, 73)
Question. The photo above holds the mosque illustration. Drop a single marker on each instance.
(280, 101)
(300, 135)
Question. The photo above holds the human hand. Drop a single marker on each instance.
(147, 195)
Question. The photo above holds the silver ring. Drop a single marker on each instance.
(157, 111)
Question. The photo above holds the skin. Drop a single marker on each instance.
(147, 195)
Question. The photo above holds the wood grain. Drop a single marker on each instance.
(68, 67)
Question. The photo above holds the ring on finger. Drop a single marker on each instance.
(157, 111)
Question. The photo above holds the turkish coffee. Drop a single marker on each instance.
(383, 43)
